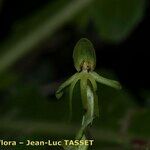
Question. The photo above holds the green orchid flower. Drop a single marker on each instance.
(85, 62)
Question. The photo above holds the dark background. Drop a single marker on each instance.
(50, 62)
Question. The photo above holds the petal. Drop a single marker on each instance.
(84, 53)
(94, 89)
(59, 92)
(93, 82)
(71, 88)
(96, 106)
(100, 79)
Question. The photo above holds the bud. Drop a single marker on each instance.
(84, 55)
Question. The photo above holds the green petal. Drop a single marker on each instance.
(59, 95)
(93, 82)
(84, 53)
(70, 96)
(100, 79)
(96, 106)
(59, 92)
(83, 87)
(94, 87)
(89, 115)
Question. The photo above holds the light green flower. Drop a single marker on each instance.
(85, 62)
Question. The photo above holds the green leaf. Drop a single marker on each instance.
(115, 19)
(8, 79)
(38, 28)
(140, 123)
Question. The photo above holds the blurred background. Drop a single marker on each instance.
(36, 44)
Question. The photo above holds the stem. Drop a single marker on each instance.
(88, 117)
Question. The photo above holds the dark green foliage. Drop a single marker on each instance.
(115, 19)
(38, 46)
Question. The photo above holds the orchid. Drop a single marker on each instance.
(85, 61)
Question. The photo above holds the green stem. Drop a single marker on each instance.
(89, 115)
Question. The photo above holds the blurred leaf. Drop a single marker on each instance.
(40, 29)
(145, 94)
(28, 103)
(83, 18)
(140, 123)
(26, 111)
(114, 105)
(115, 19)
(7, 79)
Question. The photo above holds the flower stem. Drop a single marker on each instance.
(87, 117)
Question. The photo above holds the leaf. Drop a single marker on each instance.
(7, 80)
(29, 103)
(115, 19)
(20, 43)
(140, 123)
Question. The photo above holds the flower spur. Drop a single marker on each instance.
(85, 61)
